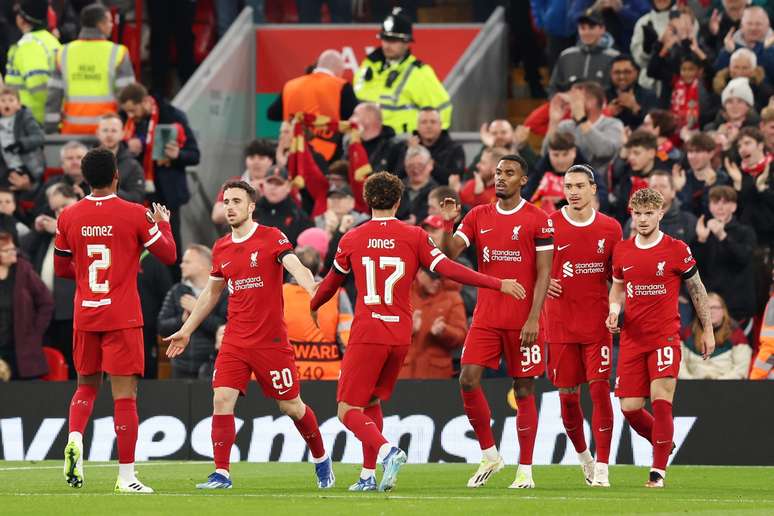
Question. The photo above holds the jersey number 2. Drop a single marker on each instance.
(101, 263)
(371, 297)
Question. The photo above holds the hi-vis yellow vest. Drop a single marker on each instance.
(88, 71)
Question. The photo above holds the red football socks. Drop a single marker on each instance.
(369, 454)
(572, 417)
(364, 428)
(223, 436)
(526, 428)
(601, 420)
(81, 406)
(477, 409)
(307, 427)
(641, 421)
(126, 424)
(663, 433)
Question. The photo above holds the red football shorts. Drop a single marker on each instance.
(274, 369)
(369, 371)
(573, 364)
(117, 352)
(637, 368)
(484, 346)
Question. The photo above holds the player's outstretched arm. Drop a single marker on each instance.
(701, 305)
(616, 298)
(163, 247)
(303, 276)
(327, 288)
(451, 245)
(204, 305)
(461, 274)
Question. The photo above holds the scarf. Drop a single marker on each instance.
(685, 103)
(549, 192)
(758, 169)
(130, 131)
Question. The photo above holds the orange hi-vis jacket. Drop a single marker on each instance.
(317, 93)
(318, 352)
(764, 362)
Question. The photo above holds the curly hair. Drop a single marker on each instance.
(646, 198)
(382, 191)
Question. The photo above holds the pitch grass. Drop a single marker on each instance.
(280, 488)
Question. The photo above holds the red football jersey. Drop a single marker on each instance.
(384, 255)
(252, 268)
(651, 276)
(105, 237)
(507, 243)
(583, 262)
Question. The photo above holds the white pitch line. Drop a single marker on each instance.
(404, 497)
(114, 465)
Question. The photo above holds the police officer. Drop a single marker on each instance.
(399, 82)
(89, 73)
(31, 60)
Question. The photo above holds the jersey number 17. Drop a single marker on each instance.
(372, 297)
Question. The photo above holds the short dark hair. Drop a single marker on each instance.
(99, 167)
(442, 192)
(582, 168)
(92, 15)
(134, 92)
(665, 121)
(660, 172)
(340, 167)
(5, 189)
(241, 185)
(518, 159)
(382, 190)
(641, 138)
(261, 147)
(701, 142)
(751, 132)
(620, 58)
(722, 193)
(561, 140)
(65, 190)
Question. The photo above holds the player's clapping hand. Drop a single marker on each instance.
(511, 287)
(612, 323)
(529, 331)
(555, 288)
(177, 343)
(450, 209)
(160, 212)
(439, 326)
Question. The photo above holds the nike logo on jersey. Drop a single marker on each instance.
(525, 369)
(524, 429)
(484, 231)
(663, 442)
(627, 268)
(561, 247)
(664, 368)
(283, 392)
(224, 265)
(600, 370)
(606, 429)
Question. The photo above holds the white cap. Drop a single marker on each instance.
(739, 88)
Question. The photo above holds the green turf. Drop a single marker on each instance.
(275, 488)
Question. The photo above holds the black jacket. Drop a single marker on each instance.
(727, 268)
(131, 177)
(384, 152)
(170, 181)
(645, 98)
(448, 157)
(417, 207)
(202, 344)
(285, 216)
(153, 282)
(757, 208)
(35, 246)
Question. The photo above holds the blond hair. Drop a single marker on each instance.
(646, 198)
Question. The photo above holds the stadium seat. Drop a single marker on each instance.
(57, 365)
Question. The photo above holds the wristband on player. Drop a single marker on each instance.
(448, 226)
(615, 308)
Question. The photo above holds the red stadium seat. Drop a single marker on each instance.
(57, 365)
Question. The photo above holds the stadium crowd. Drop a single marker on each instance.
(677, 96)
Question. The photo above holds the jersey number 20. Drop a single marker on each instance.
(371, 297)
(101, 263)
